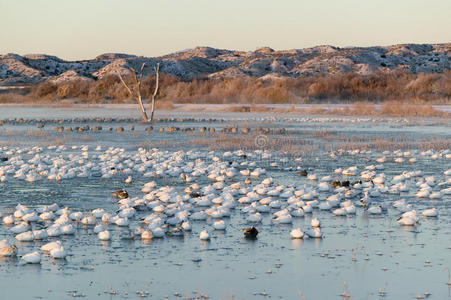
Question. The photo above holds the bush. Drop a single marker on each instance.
(350, 87)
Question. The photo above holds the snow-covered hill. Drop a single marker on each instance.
(218, 63)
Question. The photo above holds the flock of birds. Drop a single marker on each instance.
(215, 186)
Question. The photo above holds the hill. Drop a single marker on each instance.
(202, 62)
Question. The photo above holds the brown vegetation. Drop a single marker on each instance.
(349, 88)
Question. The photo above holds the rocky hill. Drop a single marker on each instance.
(218, 63)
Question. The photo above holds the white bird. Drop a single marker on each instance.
(350, 210)
(406, 221)
(19, 228)
(283, 219)
(25, 236)
(100, 227)
(6, 249)
(340, 211)
(122, 222)
(40, 234)
(254, 218)
(68, 229)
(432, 212)
(54, 230)
(296, 233)
(314, 233)
(104, 235)
(8, 220)
(98, 212)
(32, 258)
(219, 225)
(186, 226)
(49, 246)
(204, 235)
(315, 222)
(58, 252)
(375, 210)
(158, 232)
(146, 235)
(107, 218)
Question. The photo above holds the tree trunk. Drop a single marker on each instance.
(154, 96)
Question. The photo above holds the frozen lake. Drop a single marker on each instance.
(364, 255)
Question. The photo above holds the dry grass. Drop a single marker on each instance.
(388, 109)
(392, 143)
(24, 133)
(36, 133)
(325, 134)
(14, 98)
(164, 105)
(349, 88)
(394, 108)
(280, 144)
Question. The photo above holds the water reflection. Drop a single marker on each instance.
(297, 243)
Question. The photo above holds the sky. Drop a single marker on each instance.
(83, 29)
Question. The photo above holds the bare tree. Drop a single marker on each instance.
(154, 95)
(138, 80)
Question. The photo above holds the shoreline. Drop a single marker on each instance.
(192, 107)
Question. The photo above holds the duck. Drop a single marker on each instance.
(176, 231)
(302, 173)
(296, 233)
(250, 232)
(121, 194)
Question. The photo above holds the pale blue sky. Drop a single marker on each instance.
(83, 29)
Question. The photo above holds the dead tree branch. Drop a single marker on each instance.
(138, 90)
